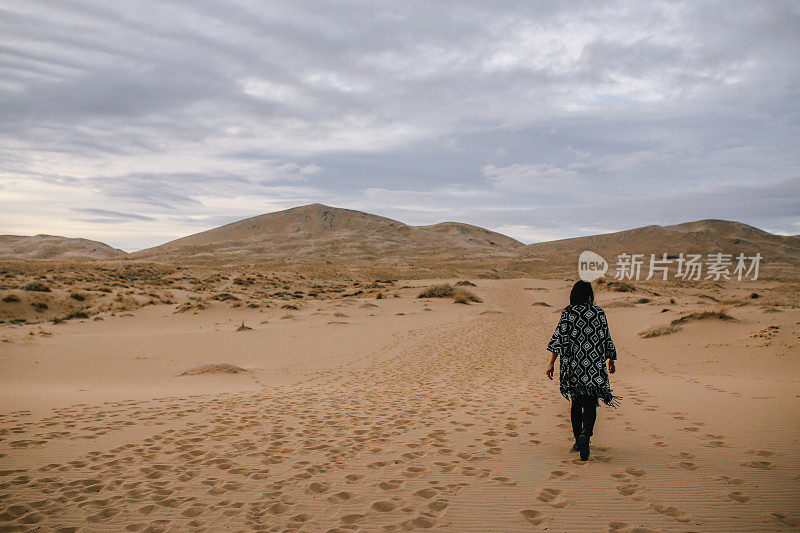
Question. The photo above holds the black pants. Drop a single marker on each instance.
(583, 414)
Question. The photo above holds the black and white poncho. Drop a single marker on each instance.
(583, 342)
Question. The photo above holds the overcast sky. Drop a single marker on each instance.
(134, 123)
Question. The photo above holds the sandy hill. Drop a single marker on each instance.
(54, 248)
(781, 254)
(700, 236)
(319, 240)
(317, 232)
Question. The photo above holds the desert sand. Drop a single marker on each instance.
(359, 413)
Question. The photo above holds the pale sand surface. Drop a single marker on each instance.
(376, 421)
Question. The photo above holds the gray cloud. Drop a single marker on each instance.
(187, 114)
(103, 216)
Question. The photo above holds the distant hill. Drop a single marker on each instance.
(780, 254)
(54, 248)
(703, 236)
(313, 232)
(328, 241)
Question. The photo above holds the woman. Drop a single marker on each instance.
(583, 341)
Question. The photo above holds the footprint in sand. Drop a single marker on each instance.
(422, 521)
(426, 493)
(439, 505)
(340, 497)
(552, 497)
(672, 511)
(761, 465)
(561, 474)
(761, 453)
(384, 506)
(392, 484)
(628, 489)
(739, 496)
(533, 517)
(624, 527)
(317, 488)
(731, 480)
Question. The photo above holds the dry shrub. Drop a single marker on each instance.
(225, 296)
(463, 296)
(79, 296)
(659, 331)
(214, 368)
(39, 306)
(720, 313)
(438, 291)
(189, 306)
(11, 298)
(643, 301)
(620, 286)
(242, 327)
(36, 286)
(465, 283)
(379, 296)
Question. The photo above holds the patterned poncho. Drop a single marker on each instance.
(583, 343)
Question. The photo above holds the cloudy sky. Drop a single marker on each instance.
(138, 122)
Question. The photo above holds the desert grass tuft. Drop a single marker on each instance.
(620, 286)
(659, 331)
(36, 286)
(214, 368)
(438, 291)
(719, 313)
(463, 296)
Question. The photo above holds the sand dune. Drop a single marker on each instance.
(404, 414)
(318, 233)
(703, 236)
(53, 248)
(330, 242)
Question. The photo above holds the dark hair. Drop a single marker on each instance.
(581, 293)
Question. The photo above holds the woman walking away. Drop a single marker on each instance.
(583, 341)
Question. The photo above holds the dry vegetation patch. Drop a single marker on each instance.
(214, 368)
(620, 286)
(36, 286)
(438, 291)
(719, 313)
(463, 296)
(460, 296)
(659, 331)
